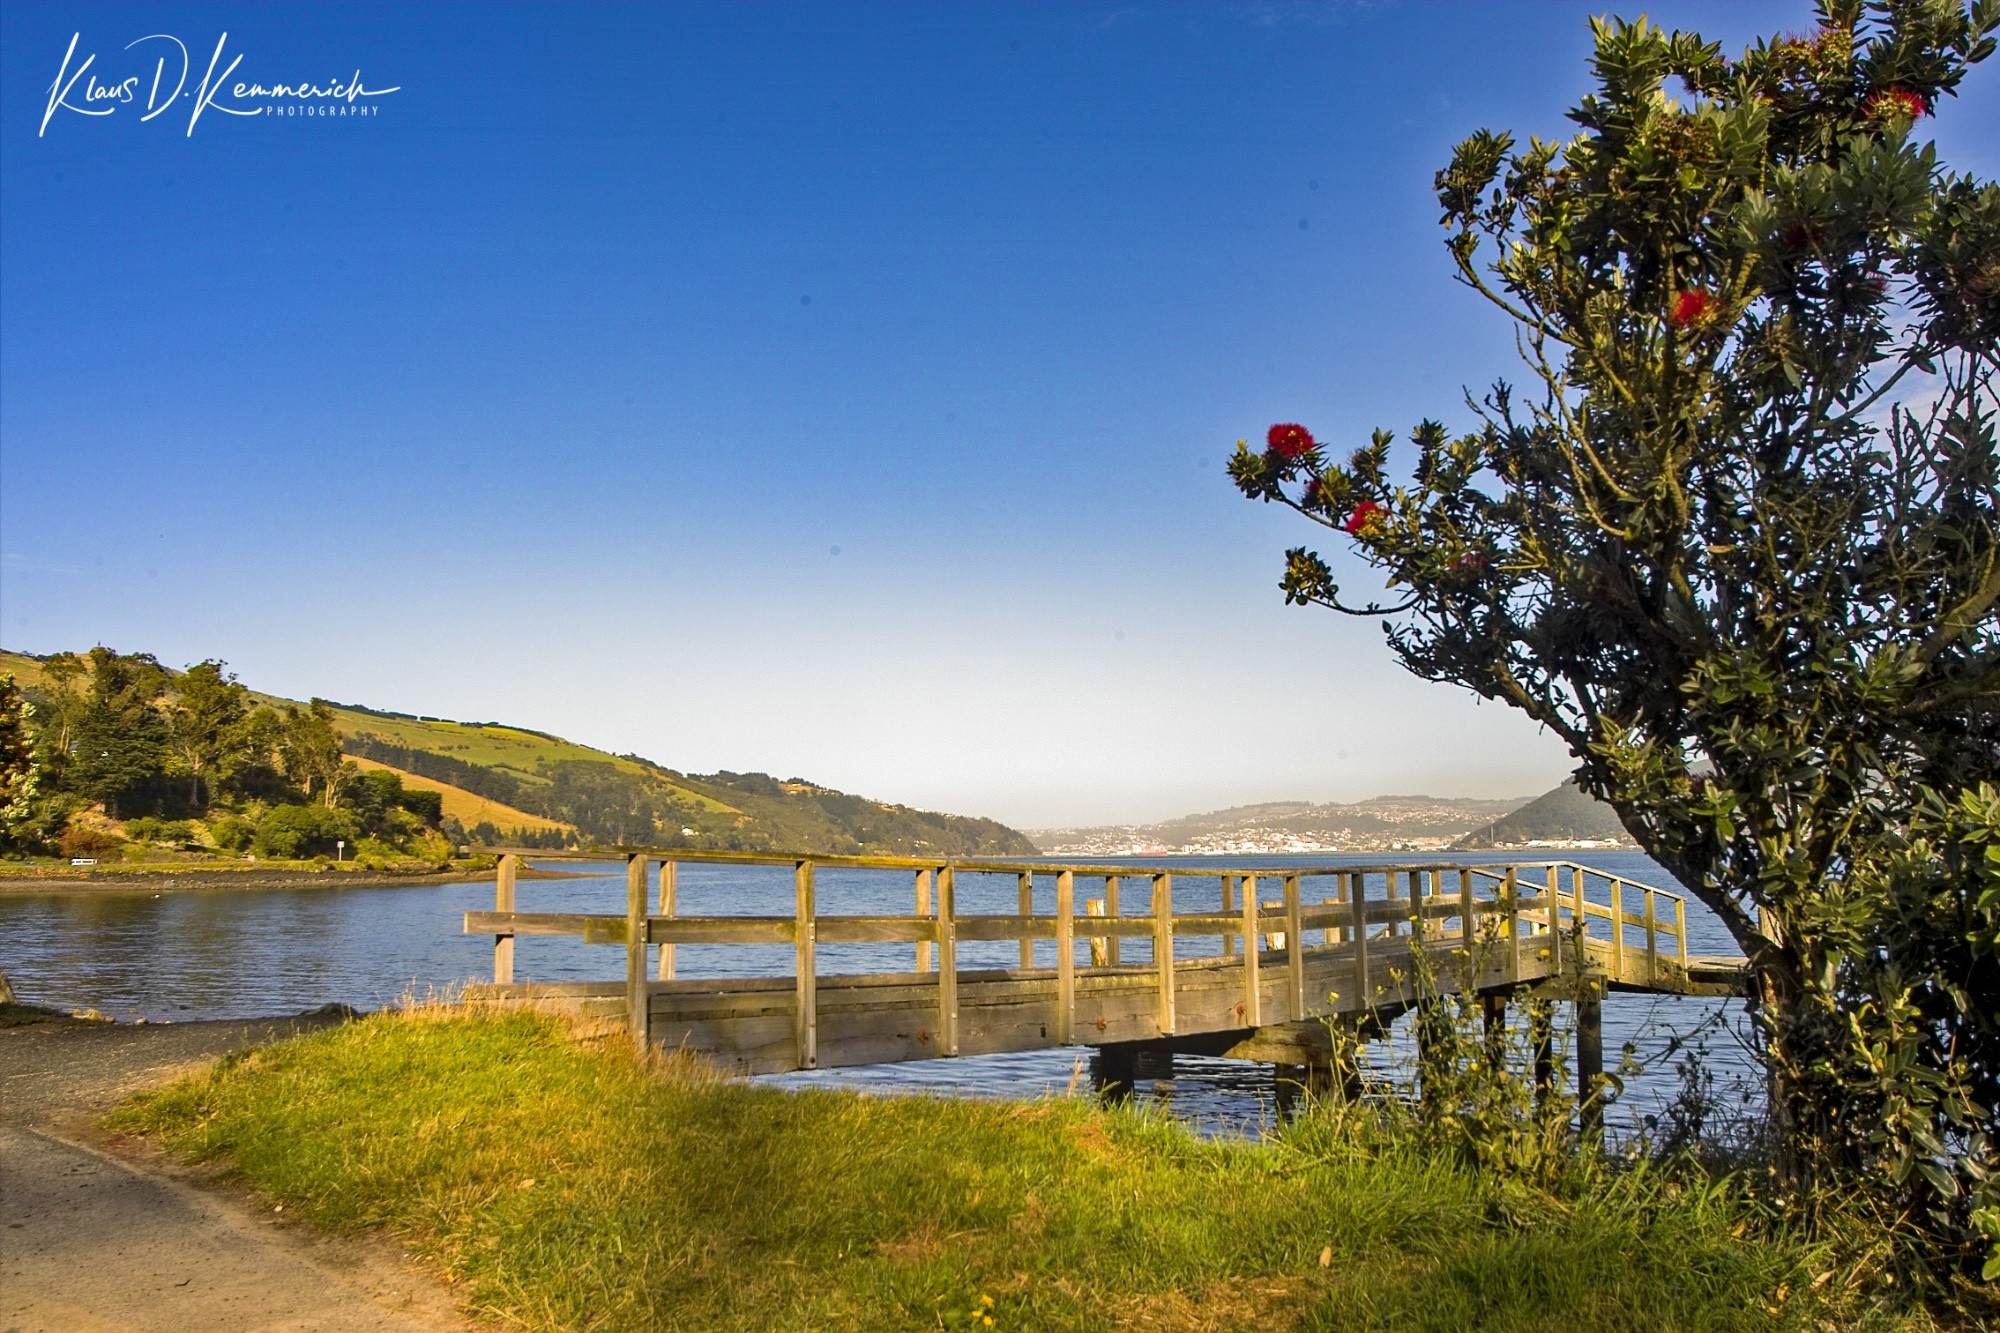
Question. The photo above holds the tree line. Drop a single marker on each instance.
(111, 748)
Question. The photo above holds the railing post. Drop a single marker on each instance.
(669, 906)
(1163, 948)
(1027, 878)
(1111, 909)
(1357, 917)
(1065, 957)
(1099, 955)
(947, 927)
(1510, 890)
(1253, 943)
(923, 910)
(503, 901)
(1555, 921)
(806, 934)
(638, 1009)
(1295, 951)
(1652, 942)
(1681, 930)
(1582, 914)
(1618, 929)
(1228, 906)
(1468, 932)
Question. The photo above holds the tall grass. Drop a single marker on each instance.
(561, 1184)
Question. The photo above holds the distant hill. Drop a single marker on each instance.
(1566, 815)
(1385, 823)
(503, 772)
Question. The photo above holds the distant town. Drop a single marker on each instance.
(1564, 819)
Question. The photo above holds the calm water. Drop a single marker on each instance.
(186, 956)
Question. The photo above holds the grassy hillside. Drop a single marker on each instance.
(531, 785)
(468, 809)
(1566, 814)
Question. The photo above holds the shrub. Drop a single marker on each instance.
(232, 833)
(80, 841)
(174, 832)
(290, 832)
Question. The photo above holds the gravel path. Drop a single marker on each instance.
(99, 1235)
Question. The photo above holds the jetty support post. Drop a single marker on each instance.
(806, 933)
(669, 906)
(1590, 1084)
(1115, 1071)
(1493, 1025)
(638, 1009)
(1542, 1039)
(503, 901)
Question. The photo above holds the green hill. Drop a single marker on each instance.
(626, 800)
(1565, 815)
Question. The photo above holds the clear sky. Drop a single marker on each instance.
(839, 391)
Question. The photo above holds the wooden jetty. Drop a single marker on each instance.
(1259, 979)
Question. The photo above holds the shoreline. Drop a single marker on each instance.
(209, 879)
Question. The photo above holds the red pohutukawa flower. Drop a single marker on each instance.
(1289, 440)
(1692, 308)
(1367, 517)
(1899, 102)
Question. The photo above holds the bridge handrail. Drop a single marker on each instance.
(1489, 902)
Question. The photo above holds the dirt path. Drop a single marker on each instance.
(98, 1235)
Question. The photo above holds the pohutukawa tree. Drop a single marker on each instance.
(1735, 541)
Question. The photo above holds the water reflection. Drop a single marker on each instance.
(245, 954)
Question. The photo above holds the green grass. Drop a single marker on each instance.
(563, 1185)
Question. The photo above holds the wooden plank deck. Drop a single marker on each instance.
(1284, 966)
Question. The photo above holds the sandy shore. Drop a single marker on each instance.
(209, 879)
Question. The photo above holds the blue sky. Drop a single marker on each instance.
(832, 390)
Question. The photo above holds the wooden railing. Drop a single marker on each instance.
(1485, 925)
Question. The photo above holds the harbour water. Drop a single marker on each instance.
(180, 957)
